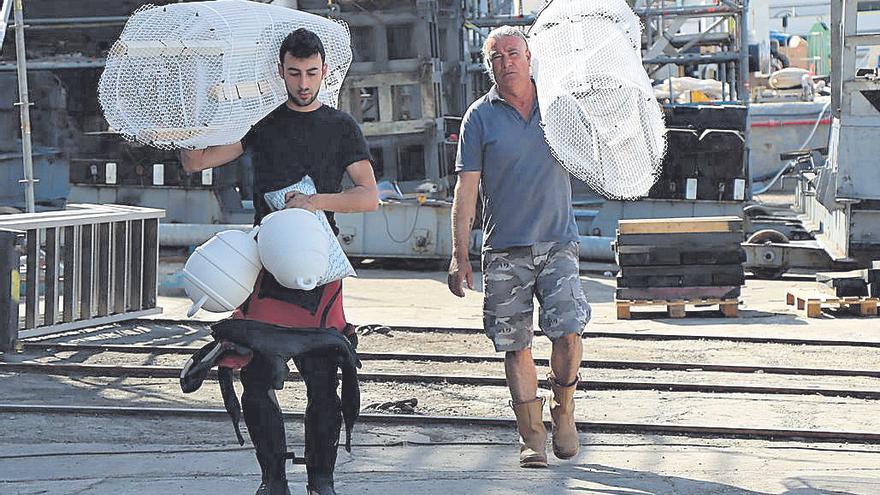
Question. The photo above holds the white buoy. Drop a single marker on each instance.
(220, 274)
(293, 248)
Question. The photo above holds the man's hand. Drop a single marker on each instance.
(294, 199)
(460, 273)
(192, 160)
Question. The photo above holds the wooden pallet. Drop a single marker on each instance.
(813, 302)
(679, 225)
(676, 307)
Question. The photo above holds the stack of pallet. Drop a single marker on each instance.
(675, 262)
(855, 283)
(856, 290)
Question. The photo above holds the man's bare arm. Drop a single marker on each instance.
(364, 196)
(214, 156)
(464, 210)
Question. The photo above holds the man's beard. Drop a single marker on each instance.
(298, 102)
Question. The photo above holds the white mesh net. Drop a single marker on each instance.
(600, 116)
(192, 75)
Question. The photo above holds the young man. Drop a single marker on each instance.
(301, 137)
(530, 244)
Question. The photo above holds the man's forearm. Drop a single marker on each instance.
(356, 199)
(213, 156)
(462, 222)
(192, 160)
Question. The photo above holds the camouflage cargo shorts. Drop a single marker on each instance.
(546, 271)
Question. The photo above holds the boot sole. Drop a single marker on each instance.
(533, 464)
(564, 455)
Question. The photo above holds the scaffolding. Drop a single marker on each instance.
(676, 38)
(707, 34)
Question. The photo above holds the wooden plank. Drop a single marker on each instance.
(813, 302)
(681, 228)
(867, 308)
(677, 308)
(665, 293)
(685, 241)
(730, 310)
(814, 308)
(623, 312)
(656, 221)
(680, 225)
(698, 301)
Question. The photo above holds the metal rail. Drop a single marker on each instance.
(103, 370)
(593, 335)
(694, 431)
(463, 358)
(74, 22)
(662, 337)
(87, 265)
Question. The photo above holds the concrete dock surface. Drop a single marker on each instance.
(161, 454)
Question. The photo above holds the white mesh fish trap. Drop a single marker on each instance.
(199, 74)
(600, 116)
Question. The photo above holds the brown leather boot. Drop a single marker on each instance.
(565, 435)
(533, 435)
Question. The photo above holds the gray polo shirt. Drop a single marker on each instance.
(526, 192)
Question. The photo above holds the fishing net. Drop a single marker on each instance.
(192, 75)
(600, 116)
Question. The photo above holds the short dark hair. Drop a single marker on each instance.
(301, 43)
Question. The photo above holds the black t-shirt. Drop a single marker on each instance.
(288, 145)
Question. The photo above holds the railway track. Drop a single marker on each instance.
(116, 371)
(465, 358)
(35, 349)
(772, 434)
(589, 334)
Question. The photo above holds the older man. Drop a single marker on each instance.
(530, 245)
